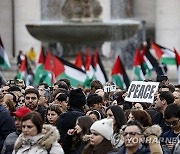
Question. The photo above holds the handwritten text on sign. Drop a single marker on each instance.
(140, 91)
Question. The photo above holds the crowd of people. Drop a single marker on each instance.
(62, 119)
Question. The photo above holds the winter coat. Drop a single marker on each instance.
(65, 122)
(9, 143)
(177, 146)
(152, 133)
(6, 125)
(39, 144)
(142, 150)
(117, 140)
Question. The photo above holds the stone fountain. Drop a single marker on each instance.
(82, 27)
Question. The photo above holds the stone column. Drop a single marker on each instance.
(26, 12)
(168, 23)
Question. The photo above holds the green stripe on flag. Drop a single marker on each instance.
(119, 81)
(74, 82)
(168, 60)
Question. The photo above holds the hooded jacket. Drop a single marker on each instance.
(39, 144)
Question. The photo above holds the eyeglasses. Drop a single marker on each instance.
(131, 133)
(173, 123)
(32, 98)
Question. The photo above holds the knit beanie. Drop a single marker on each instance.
(104, 127)
(77, 98)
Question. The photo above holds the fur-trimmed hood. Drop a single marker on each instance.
(45, 139)
(153, 130)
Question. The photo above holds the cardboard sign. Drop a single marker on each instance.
(140, 91)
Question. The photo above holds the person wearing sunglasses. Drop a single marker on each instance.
(172, 117)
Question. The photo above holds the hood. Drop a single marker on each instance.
(153, 130)
(45, 139)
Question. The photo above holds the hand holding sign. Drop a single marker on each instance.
(140, 91)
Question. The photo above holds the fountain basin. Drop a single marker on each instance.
(75, 32)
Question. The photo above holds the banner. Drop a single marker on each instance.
(140, 91)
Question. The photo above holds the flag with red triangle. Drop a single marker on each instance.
(146, 63)
(41, 74)
(138, 68)
(4, 60)
(22, 73)
(178, 64)
(48, 66)
(89, 66)
(100, 73)
(79, 61)
(164, 55)
(65, 69)
(158, 67)
(119, 75)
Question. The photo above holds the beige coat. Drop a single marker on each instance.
(152, 133)
(40, 143)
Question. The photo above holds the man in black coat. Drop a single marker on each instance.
(7, 125)
(68, 119)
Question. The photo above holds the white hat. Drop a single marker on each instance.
(104, 127)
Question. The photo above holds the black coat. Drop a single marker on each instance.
(7, 125)
(65, 122)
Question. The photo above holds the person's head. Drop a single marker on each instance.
(172, 116)
(95, 84)
(31, 98)
(42, 88)
(10, 96)
(133, 135)
(94, 101)
(176, 95)
(45, 98)
(68, 83)
(60, 84)
(95, 115)
(61, 100)
(52, 114)
(164, 98)
(18, 115)
(5, 88)
(163, 79)
(77, 98)
(117, 114)
(141, 116)
(21, 101)
(9, 105)
(100, 130)
(139, 106)
(15, 90)
(32, 124)
(83, 125)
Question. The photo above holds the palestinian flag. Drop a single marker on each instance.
(4, 60)
(119, 75)
(79, 61)
(138, 69)
(22, 73)
(158, 67)
(178, 64)
(89, 66)
(146, 63)
(65, 69)
(48, 66)
(164, 55)
(100, 73)
(41, 74)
